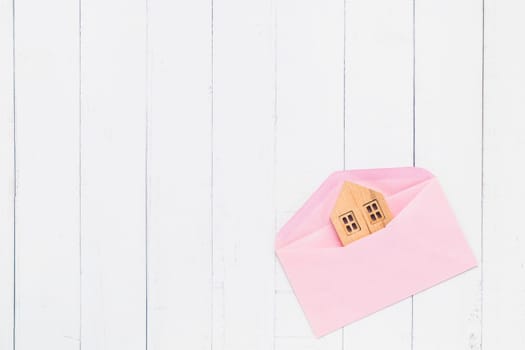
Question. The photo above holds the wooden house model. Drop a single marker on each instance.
(358, 212)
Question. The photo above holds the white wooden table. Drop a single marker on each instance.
(150, 150)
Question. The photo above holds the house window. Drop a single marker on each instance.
(350, 223)
(373, 210)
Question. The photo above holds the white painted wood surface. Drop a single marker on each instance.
(47, 273)
(503, 245)
(243, 159)
(7, 176)
(113, 174)
(179, 175)
(155, 148)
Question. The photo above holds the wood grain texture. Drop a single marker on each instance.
(113, 174)
(7, 176)
(379, 126)
(47, 180)
(179, 175)
(243, 168)
(448, 136)
(503, 243)
(358, 212)
(309, 134)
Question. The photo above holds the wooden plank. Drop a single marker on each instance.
(379, 72)
(7, 176)
(503, 245)
(448, 136)
(309, 134)
(47, 167)
(180, 270)
(309, 144)
(113, 174)
(243, 167)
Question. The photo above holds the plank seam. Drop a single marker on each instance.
(275, 125)
(212, 233)
(413, 141)
(344, 92)
(80, 171)
(14, 171)
(482, 165)
(146, 174)
(344, 122)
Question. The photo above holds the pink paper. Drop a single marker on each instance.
(422, 246)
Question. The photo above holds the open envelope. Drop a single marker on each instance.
(422, 246)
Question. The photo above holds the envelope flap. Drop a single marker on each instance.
(315, 213)
(400, 204)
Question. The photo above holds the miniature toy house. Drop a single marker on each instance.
(358, 212)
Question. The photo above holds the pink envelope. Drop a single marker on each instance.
(422, 246)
